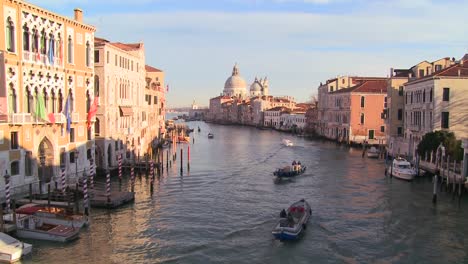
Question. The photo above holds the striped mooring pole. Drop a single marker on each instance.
(7, 191)
(91, 175)
(108, 186)
(120, 169)
(85, 193)
(62, 176)
(132, 177)
(151, 175)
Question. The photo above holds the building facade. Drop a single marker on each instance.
(120, 127)
(154, 116)
(46, 90)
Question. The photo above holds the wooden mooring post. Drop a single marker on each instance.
(181, 160)
(434, 192)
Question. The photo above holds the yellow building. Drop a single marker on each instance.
(46, 60)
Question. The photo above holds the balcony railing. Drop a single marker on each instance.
(41, 58)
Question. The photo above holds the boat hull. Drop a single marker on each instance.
(289, 174)
(403, 175)
(285, 233)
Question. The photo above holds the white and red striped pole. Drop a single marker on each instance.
(62, 171)
(7, 190)
(120, 167)
(108, 186)
(151, 175)
(132, 177)
(91, 175)
(85, 194)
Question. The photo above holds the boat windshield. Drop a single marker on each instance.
(404, 166)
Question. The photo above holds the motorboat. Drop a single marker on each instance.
(210, 135)
(402, 169)
(11, 249)
(32, 227)
(288, 143)
(199, 129)
(293, 221)
(290, 171)
(54, 215)
(373, 152)
(183, 139)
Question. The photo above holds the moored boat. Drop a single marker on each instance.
(402, 169)
(293, 221)
(54, 215)
(11, 249)
(31, 227)
(373, 152)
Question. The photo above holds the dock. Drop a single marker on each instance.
(98, 198)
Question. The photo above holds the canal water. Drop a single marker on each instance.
(224, 208)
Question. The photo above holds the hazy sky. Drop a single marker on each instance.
(296, 43)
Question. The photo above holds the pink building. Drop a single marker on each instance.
(355, 113)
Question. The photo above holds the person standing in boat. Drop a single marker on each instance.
(283, 214)
(299, 165)
(294, 165)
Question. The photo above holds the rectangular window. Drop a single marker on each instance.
(371, 134)
(15, 170)
(28, 163)
(116, 59)
(385, 102)
(400, 91)
(96, 56)
(14, 140)
(72, 134)
(399, 131)
(362, 118)
(108, 57)
(445, 120)
(421, 73)
(438, 67)
(446, 95)
(155, 100)
(72, 157)
(382, 128)
(400, 114)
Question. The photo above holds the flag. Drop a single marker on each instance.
(66, 112)
(92, 111)
(40, 107)
(51, 117)
(51, 52)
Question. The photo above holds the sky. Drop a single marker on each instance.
(297, 44)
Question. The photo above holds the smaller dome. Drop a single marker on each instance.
(255, 87)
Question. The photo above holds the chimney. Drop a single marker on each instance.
(78, 15)
(459, 72)
(391, 72)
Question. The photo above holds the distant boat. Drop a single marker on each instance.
(199, 129)
(182, 139)
(12, 249)
(210, 135)
(373, 152)
(402, 169)
(288, 143)
(293, 222)
(289, 171)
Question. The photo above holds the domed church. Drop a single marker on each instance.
(235, 86)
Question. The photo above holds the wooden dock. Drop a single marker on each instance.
(98, 198)
(449, 174)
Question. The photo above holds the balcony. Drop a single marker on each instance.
(41, 58)
(21, 118)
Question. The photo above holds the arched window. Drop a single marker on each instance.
(96, 85)
(51, 52)
(363, 101)
(35, 43)
(88, 101)
(362, 118)
(88, 54)
(10, 32)
(60, 102)
(46, 99)
(12, 99)
(26, 41)
(54, 101)
(29, 100)
(43, 42)
(70, 49)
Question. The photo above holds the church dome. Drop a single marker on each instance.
(255, 87)
(235, 85)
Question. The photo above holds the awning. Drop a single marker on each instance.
(126, 111)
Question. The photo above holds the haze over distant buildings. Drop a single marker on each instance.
(296, 43)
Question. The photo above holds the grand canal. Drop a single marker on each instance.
(223, 210)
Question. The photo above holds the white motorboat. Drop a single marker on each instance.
(402, 169)
(293, 222)
(11, 249)
(288, 143)
(31, 227)
(54, 215)
(373, 152)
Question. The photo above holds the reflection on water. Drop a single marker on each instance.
(223, 210)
